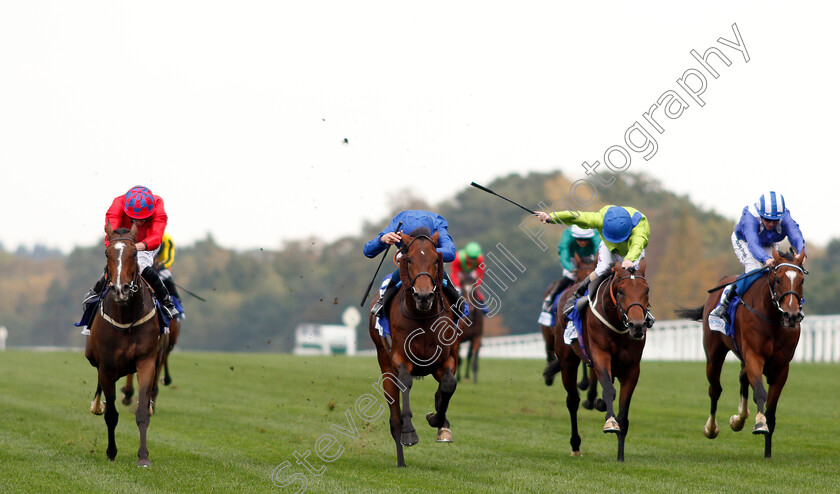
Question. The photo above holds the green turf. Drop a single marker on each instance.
(229, 420)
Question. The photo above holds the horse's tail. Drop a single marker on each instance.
(695, 314)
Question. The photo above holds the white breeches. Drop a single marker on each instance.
(742, 252)
(146, 258)
(607, 259)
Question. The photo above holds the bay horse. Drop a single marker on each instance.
(125, 337)
(128, 388)
(424, 340)
(614, 332)
(585, 266)
(473, 327)
(766, 333)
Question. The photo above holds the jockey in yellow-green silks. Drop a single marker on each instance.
(624, 234)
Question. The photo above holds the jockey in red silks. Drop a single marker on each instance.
(140, 207)
(761, 227)
(469, 261)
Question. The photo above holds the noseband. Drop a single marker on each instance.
(777, 298)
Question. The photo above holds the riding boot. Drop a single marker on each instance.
(384, 300)
(171, 288)
(94, 292)
(161, 293)
(564, 283)
(570, 303)
(458, 303)
(721, 309)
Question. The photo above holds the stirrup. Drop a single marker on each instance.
(90, 297)
(376, 310)
(719, 311)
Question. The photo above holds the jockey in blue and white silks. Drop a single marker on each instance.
(761, 227)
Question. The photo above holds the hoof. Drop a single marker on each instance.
(144, 463)
(167, 381)
(760, 428)
(736, 423)
(600, 405)
(151, 407)
(444, 435)
(97, 408)
(711, 433)
(587, 404)
(409, 439)
(583, 385)
(430, 418)
(576, 453)
(611, 426)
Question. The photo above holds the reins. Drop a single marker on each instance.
(621, 310)
(437, 293)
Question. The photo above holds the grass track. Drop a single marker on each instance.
(229, 420)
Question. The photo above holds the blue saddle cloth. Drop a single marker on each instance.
(576, 319)
(729, 329)
(90, 312)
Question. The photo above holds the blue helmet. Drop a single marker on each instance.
(771, 206)
(617, 225)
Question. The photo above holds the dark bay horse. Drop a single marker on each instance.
(473, 327)
(125, 338)
(766, 333)
(128, 389)
(585, 266)
(614, 337)
(424, 341)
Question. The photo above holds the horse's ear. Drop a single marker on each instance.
(616, 267)
(435, 237)
(798, 259)
(109, 230)
(577, 259)
(776, 255)
(642, 267)
(133, 231)
(405, 239)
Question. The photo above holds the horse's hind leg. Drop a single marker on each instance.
(128, 389)
(167, 379)
(145, 381)
(97, 407)
(583, 384)
(475, 346)
(715, 356)
(736, 422)
(568, 370)
(446, 388)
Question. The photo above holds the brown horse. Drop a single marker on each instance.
(614, 337)
(473, 327)
(423, 341)
(585, 266)
(128, 389)
(766, 330)
(125, 338)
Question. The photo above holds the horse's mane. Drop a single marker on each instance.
(421, 230)
(788, 256)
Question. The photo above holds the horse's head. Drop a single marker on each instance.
(629, 290)
(121, 255)
(421, 269)
(467, 283)
(585, 266)
(786, 283)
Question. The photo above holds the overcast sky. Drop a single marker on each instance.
(236, 112)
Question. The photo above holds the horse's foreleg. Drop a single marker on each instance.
(145, 383)
(602, 363)
(408, 436)
(754, 367)
(714, 365)
(446, 388)
(167, 379)
(628, 384)
(128, 389)
(775, 382)
(107, 383)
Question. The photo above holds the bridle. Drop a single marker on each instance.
(777, 298)
(437, 294)
(133, 286)
(625, 320)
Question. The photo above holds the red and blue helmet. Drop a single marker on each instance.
(771, 205)
(139, 203)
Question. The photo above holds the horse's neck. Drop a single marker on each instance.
(605, 303)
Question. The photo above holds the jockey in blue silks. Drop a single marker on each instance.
(761, 227)
(414, 222)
